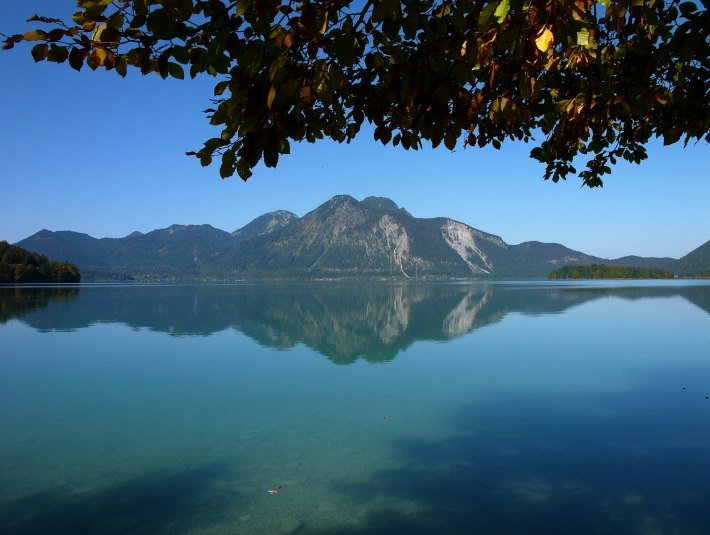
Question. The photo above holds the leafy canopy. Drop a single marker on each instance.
(596, 79)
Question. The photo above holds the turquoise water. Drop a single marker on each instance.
(380, 408)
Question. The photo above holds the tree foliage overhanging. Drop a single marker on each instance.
(582, 78)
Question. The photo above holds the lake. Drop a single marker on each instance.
(365, 408)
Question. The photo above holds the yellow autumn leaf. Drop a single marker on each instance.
(34, 35)
(100, 55)
(544, 39)
(272, 96)
(96, 36)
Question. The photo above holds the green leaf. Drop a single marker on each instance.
(76, 58)
(176, 71)
(110, 36)
(183, 7)
(502, 10)
(485, 17)
(121, 67)
(345, 49)
(672, 135)
(383, 134)
(228, 160)
(88, 4)
(450, 141)
(159, 24)
(243, 170)
(583, 37)
(220, 88)
(181, 54)
(140, 7)
(80, 17)
(386, 10)
(271, 155)
(686, 8)
(285, 147)
(691, 44)
(58, 54)
(242, 6)
(39, 52)
(116, 21)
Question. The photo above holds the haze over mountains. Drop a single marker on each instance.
(342, 238)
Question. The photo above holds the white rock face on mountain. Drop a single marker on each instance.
(462, 239)
(396, 240)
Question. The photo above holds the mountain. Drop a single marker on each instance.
(179, 250)
(640, 261)
(383, 204)
(534, 259)
(176, 249)
(376, 238)
(265, 224)
(76, 247)
(342, 238)
(696, 261)
(347, 238)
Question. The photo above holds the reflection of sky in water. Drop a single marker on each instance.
(588, 418)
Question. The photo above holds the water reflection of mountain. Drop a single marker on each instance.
(342, 321)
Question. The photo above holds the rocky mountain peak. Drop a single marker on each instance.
(383, 204)
(265, 224)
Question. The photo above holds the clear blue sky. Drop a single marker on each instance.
(94, 153)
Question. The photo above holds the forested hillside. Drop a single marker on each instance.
(18, 265)
(596, 271)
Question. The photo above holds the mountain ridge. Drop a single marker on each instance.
(341, 238)
(265, 224)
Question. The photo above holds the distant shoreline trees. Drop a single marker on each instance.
(598, 271)
(17, 265)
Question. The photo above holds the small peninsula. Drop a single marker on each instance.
(18, 265)
(598, 271)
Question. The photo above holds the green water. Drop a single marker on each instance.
(380, 408)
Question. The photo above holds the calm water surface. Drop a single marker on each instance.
(371, 408)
